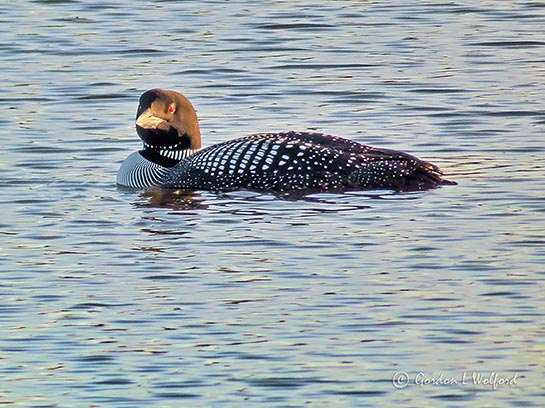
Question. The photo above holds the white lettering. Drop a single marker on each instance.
(421, 379)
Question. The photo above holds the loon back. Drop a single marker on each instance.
(300, 161)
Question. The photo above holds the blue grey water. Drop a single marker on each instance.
(111, 298)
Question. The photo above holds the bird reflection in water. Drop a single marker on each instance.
(173, 199)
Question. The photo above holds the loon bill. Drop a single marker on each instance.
(172, 157)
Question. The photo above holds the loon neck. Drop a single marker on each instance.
(166, 157)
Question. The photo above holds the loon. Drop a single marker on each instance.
(172, 157)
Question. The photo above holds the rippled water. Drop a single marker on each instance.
(119, 299)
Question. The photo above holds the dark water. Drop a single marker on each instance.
(118, 299)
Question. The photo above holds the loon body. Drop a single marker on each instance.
(278, 162)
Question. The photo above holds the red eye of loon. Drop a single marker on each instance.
(171, 109)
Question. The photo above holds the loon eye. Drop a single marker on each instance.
(171, 109)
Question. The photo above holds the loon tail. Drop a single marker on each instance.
(400, 172)
(425, 176)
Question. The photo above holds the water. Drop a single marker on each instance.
(119, 299)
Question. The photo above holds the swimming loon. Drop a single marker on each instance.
(172, 157)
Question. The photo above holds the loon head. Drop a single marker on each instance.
(167, 121)
(168, 126)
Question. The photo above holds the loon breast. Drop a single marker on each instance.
(138, 172)
(172, 157)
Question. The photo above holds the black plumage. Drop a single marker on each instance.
(300, 161)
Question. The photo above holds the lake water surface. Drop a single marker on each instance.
(112, 298)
